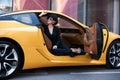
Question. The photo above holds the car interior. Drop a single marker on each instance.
(72, 35)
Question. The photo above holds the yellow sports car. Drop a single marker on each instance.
(23, 44)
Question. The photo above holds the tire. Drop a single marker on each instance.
(10, 60)
(113, 55)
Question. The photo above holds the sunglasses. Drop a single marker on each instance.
(50, 18)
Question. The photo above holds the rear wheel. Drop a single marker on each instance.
(113, 55)
(9, 59)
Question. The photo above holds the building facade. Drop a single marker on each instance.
(85, 11)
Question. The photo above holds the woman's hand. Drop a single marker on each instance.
(43, 13)
(55, 47)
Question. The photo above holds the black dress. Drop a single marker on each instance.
(56, 40)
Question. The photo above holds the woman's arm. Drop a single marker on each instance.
(57, 32)
(58, 36)
(43, 18)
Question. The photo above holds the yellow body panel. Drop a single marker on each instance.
(36, 54)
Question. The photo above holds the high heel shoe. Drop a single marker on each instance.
(76, 50)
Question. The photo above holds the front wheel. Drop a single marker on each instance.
(9, 59)
(113, 55)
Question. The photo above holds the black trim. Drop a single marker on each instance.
(99, 40)
(6, 18)
(103, 26)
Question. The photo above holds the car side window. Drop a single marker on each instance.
(29, 18)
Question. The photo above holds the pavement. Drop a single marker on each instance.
(69, 73)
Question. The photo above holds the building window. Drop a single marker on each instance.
(87, 11)
(6, 5)
(116, 18)
(31, 4)
(68, 7)
(100, 10)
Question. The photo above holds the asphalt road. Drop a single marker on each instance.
(69, 73)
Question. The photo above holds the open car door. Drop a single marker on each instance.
(98, 41)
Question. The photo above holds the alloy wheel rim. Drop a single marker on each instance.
(114, 55)
(8, 61)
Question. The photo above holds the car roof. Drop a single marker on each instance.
(38, 11)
